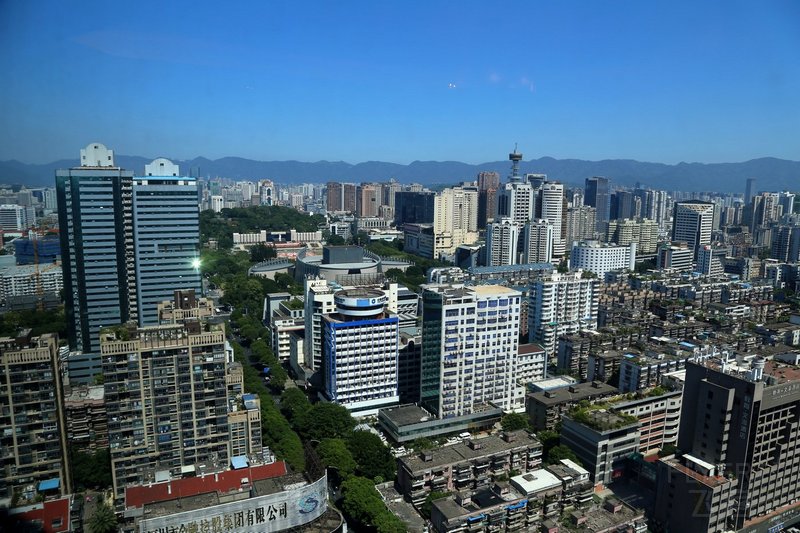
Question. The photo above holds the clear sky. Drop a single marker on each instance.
(401, 81)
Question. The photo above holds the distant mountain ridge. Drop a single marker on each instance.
(772, 174)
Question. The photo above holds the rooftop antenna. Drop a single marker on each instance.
(515, 158)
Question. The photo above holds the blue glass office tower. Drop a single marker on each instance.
(597, 195)
(126, 244)
(96, 229)
(166, 236)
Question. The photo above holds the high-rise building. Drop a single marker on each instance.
(166, 231)
(367, 200)
(597, 195)
(15, 217)
(517, 201)
(470, 343)
(266, 191)
(786, 243)
(561, 304)
(711, 260)
(334, 196)
(692, 221)
(538, 241)
(413, 207)
(551, 208)
(740, 449)
(174, 397)
(95, 214)
(749, 190)
(676, 256)
(601, 258)
(642, 231)
(360, 352)
(488, 185)
(349, 197)
(126, 242)
(502, 236)
(33, 442)
(581, 224)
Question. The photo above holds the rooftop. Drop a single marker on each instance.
(462, 451)
(573, 393)
(709, 481)
(536, 481)
(602, 420)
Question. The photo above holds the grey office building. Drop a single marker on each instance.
(740, 443)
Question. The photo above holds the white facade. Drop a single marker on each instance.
(501, 242)
(538, 241)
(711, 261)
(360, 352)
(692, 223)
(217, 203)
(561, 304)
(97, 155)
(473, 339)
(16, 217)
(678, 258)
(552, 195)
(516, 201)
(27, 280)
(601, 258)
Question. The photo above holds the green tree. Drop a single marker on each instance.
(103, 520)
(294, 402)
(668, 449)
(423, 443)
(373, 457)
(336, 240)
(90, 470)
(325, 420)
(361, 501)
(334, 453)
(262, 252)
(515, 421)
(387, 522)
(561, 452)
(549, 439)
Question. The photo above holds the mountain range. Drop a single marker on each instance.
(771, 174)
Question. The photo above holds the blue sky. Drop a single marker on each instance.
(401, 81)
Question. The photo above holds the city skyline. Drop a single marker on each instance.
(380, 82)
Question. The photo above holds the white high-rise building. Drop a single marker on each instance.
(455, 216)
(516, 201)
(692, 223)
(552, 210)
(502, 237)
(538, 241)
(642, 231)
(561, 304)
(601, 258)
(711, 261)
(470, 345)
(360, 352)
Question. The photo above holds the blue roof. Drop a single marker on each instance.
(240, 461)
(265, 371)
(687, 344)
(247, 397)
(49, 484)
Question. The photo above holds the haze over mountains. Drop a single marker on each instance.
(772, 174)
